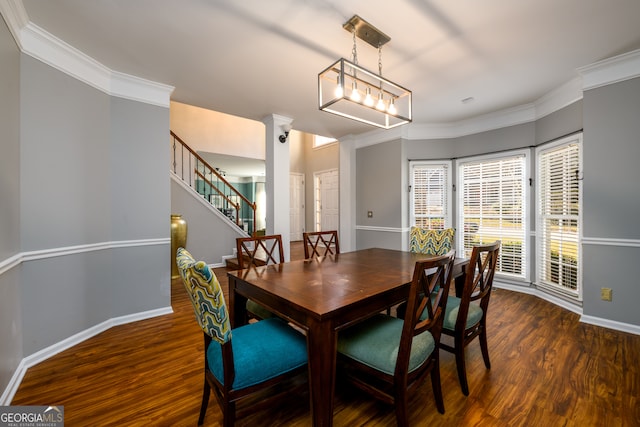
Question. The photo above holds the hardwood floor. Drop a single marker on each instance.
(548, 369)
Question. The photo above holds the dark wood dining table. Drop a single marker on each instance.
(323, 296)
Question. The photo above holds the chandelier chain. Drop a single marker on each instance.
(354, 51)
(379, 59)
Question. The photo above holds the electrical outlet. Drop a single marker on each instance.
(369, 214)
(606, 294)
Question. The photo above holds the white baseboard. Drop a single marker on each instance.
(45, 353)
(611, 324)
(596, 321)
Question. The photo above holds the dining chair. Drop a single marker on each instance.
(466, 317)
(390, 357)
(320, 243)
(259, 250)
(431, 241)
(243, 361)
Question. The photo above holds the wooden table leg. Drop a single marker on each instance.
(322, 344)
(237, 305)
(459, 282)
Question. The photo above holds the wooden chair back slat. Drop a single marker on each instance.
(320, 243)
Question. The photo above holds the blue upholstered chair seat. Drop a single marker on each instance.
(383, 333)
(261, 351)
(451, 314)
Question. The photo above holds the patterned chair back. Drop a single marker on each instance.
(431, 242)
(206, 296)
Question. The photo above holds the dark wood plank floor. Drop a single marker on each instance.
(548, 369)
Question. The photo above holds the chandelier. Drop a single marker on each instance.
(349, 90)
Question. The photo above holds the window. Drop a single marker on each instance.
(319, 141)
(558, 214)
(492, 205)
(430, 200)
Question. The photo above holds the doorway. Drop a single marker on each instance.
(296, 206)
(326, 200)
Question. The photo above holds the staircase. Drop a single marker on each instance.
(212, 186)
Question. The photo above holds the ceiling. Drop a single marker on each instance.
(253, 58)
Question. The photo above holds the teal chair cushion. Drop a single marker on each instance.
(375, 342)
(431, 242)
(451, 313)
(261, 351)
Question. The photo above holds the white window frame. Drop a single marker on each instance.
(575, 139)
(460, 231)
(442, 164)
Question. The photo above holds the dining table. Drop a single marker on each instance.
(323, 296)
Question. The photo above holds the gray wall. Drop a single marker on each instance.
(379, 188)
(508, 138)
(85, 211)
(10, 272)
(612, 200)
(93, 172)
(562, 122)
(65, 160)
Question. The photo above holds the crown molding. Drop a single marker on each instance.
(550, 102)
(378, 136)
(15, 16)
(495, 120)
(139, 89)
(558, 98)
(45, 47)
(611, 70)
(601, 73)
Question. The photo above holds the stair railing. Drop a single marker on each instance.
(210, 184)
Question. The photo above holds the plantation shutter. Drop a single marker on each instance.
(559, 216)
(429, 195)
(493, 207)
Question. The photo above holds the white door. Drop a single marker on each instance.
(327, 193)
(296, 205)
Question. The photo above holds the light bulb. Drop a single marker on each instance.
(355, 95)
(368, 99)
(381, 105)
(339, 92)
(392, 108)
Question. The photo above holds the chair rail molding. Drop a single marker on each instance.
(383, 229)
(603, 241)
(17, 259)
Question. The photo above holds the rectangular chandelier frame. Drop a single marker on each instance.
(349, 90)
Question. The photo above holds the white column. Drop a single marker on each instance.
(277, 179)
(347, 194)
